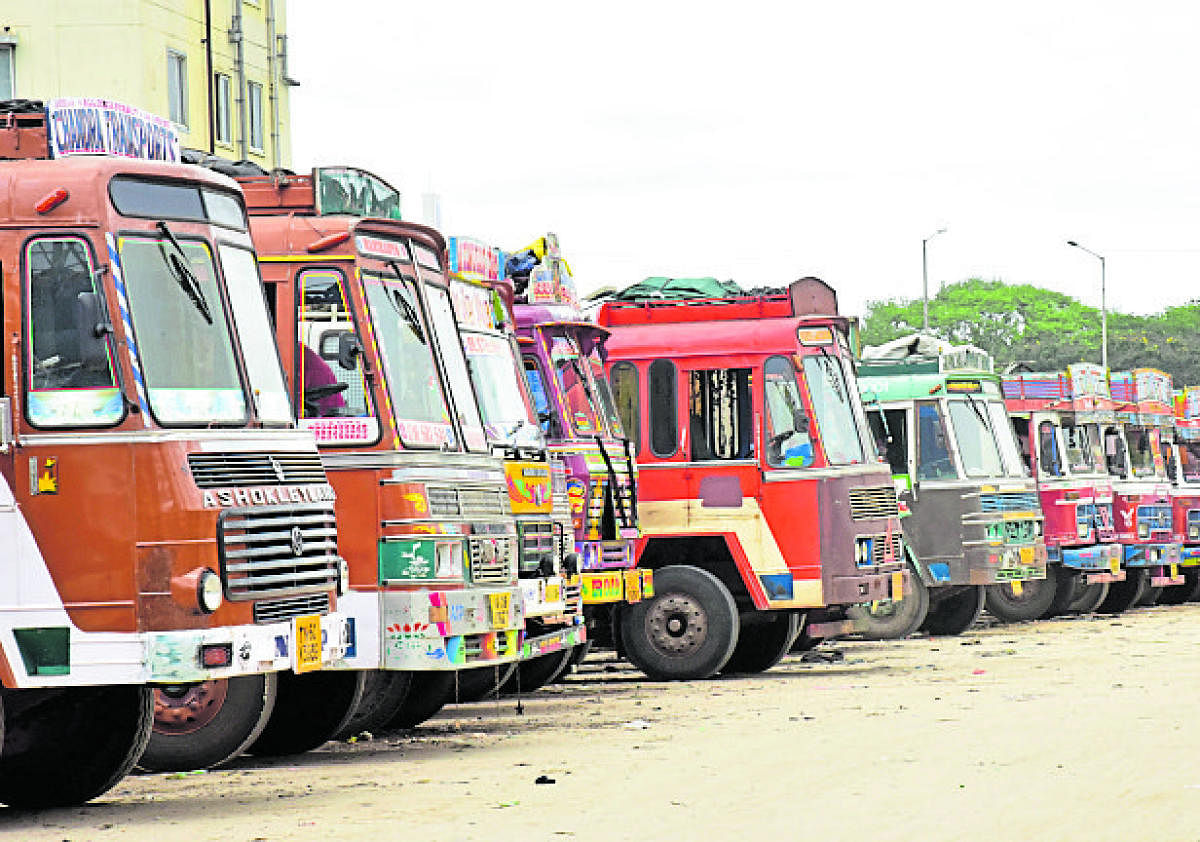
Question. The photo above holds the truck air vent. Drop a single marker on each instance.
(873, 503)
(225, 470)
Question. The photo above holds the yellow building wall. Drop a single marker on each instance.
(117, 49)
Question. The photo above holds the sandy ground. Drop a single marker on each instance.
(1081, 728)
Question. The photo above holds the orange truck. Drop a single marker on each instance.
(169, 526)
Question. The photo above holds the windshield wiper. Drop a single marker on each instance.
(832, 373)
(587, 386)
(979, 412)
(184, 276)
(406, 309)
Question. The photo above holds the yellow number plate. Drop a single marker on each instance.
(633, 586)
(553, 593)
(1017, 588)
(501, 605)
(1174, 570)
(1026, 555)
(1115, 565)
(308, 643)
(898, 586)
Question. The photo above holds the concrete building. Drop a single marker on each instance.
(216, 68)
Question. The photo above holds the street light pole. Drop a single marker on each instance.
(925, 278)
(1103, 304)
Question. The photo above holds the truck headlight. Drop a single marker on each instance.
(343, 583)
(1082, 529)
(209, 593)
(1143, 530)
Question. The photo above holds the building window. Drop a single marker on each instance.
(222, 94)
(8, 87)
(177, 87)
(256, 116)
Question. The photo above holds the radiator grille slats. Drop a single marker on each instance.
(538, 544)
(278, 551)
(222, 470)
(275, 610)
(873, 503)
(465, 502)
(490, 562)
(1009, 501)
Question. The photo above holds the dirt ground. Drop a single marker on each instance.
(1083, 728)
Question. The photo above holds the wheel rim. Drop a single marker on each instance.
(1030, 591)
(185, 708)
(677, 624)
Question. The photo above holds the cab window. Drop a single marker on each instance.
(719, 414)
(541, 397)
(625, 393)
(933, 447)
(788, 443)
(331, 382)
(1049, 462)
(664, 434)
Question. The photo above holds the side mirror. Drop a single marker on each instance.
(91, 324)
(349, 350)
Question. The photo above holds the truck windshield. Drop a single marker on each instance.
(506, 415)
(976, 441)
(1081, 444)
(254, 331)
(573, 382)
(1189, 461)
(1010, 454)
(1141, 451)
(831, 397)
(422, 417)
(788, 443)
(608, 406)
(199, 387)
(450, 342)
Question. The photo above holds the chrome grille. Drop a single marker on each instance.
(537, 545)
(1010, 501)
(872, 503)
(275, 610)
(258, 554)
(465, 502)
(614, 552)
(488, 567)
(221, 470)
(443, 502)
(879, 547)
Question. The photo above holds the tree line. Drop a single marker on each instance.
(1047, 330)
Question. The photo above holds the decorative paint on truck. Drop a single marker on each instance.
(1183, 467)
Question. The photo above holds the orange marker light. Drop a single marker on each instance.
(328, 242)
(52, 200)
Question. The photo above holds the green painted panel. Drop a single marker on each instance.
(407, 560)
(45, 651)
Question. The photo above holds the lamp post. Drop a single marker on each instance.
(1103, 305)
(925, 277)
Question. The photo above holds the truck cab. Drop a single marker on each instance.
(974, 523)
(762, 502)
(1183, 467)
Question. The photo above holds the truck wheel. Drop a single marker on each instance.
(1187, 592)
(428, 694)
(1124, 595)
(956, 612)
(1065, 589)
(687, 630)
(893, 620)
(1034, 600)
(383, 693)
(478, 683)
(63, 747)
(311, 707)
(1151, 595)
(198, 726)
(1087, 598)
(761, 646)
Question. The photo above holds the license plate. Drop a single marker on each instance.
(501, 605)
(633, 586)
(308, 643)
(1174, 570)
(1115, 565)
(1017, 588)
(553, 593)
(898, 586)
(1026, 555)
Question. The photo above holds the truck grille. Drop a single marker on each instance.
(1012, 501)
(537, 546)
(273, 551)
(489, 567)
(465, 502)
(275, 610)
(879, 548)
(221, 470)
(872, 503)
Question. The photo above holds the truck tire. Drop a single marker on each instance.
(199, 726)
(761, 646)
(310, 708)
(429, 692)
(1034, 600)
(687, 630)
(536, 673)
(383, 693)
(578, 654)
(478, 683)
(1087, 598)
(1187, 592)
(1151, 595)
(1124, 595)
(894, 620)
(1068, 585)
(956, 612)
(65, 746)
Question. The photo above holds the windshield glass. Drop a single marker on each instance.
(831, 398)
(456, 366)
(574, 385)
(256, 335)
(1114, 452)
(788, 443)
(506, 414)
(1081, 444)
(1141, 451)
(976, 443)
(199, 386)
(608, 406)
(1189, 460)
(422, 417)
(1002, 426)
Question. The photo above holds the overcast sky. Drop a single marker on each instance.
(781, 139)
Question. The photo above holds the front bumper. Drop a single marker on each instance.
(1148, 555)
(1096, 557)
(868, 587)
(450, 629)
(554, 641)
(615, 586)
(1007, 563)
(1189, 555)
